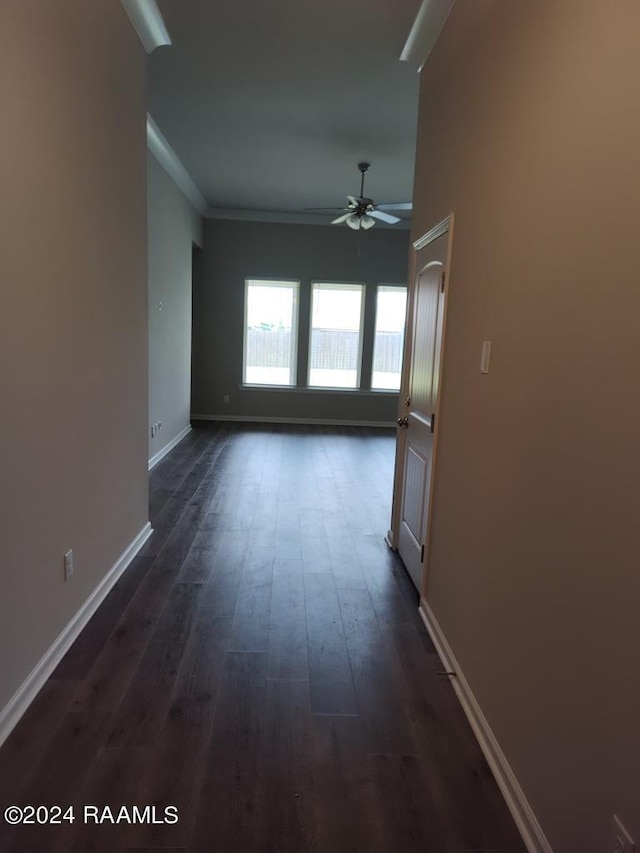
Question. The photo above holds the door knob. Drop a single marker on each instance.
(403, 422)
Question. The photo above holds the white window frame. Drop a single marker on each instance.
(338, 285)
(293, 284)
(388, 285)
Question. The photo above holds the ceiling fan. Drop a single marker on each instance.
(362, 212)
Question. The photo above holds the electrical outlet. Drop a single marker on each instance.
(621, 841)
(226, 398)
(68, 564)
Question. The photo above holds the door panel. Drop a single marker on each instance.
(415, 474)
(422, 356)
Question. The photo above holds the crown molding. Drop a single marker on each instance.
(169, 160)
(148, 22)
(425, 31)
(285, 217)
(281, 216)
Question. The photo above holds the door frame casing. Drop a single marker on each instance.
(445, 226)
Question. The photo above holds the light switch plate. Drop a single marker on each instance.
(485, 357)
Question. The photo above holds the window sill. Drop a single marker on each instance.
(358, 392)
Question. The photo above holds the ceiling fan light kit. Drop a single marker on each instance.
(362, 212)
(358, 222)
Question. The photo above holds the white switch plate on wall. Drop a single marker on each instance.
(485, 358)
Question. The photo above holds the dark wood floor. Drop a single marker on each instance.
(261, 666)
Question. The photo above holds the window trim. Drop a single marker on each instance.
(294, 284)
(338, 285)
(387, 284)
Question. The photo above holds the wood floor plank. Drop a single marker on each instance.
(332, 690)
(288, 529)
(345, 790)
(230, 806)
(344, 561)
(288, 814)
(197, 565)
(288, 657)
(251, 620)
(178, 761)
(384, 718)
(316, 556)
(223, 584)
(409, 816)
(138, 719)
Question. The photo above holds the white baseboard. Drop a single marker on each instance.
(28, 690)
(312, 421)
(522, 813)
(168, 447)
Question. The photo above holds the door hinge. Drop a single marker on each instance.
(442, 278)
(433, 421)
(422, 554)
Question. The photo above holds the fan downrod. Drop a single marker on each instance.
(363, 168)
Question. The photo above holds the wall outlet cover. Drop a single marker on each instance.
(68, 564)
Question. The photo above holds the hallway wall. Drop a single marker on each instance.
(73, 325)
(174, 227)
(530, 132)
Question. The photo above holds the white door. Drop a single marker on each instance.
(419, 412)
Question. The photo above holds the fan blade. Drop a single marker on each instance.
(354, 201)
(367, 222)
(310, 209)
(385, 217)
(342, 218)
(404, 205)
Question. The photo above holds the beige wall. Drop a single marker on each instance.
(174, 226)
(73, 324)
(530, 133)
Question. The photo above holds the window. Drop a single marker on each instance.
(391, 309)
(270, 332)
(336, 335)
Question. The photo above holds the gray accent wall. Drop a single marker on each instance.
(174, 227)
(73, 325)
(235, 251)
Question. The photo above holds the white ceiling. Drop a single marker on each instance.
(270, 104)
